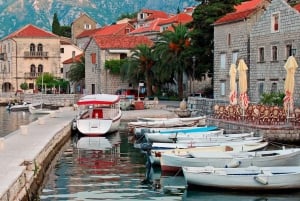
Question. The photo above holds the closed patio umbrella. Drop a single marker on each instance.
(232, 95)
(290, 67)
(244, 100)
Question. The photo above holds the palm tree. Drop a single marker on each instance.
(172, 50)
(139, 66)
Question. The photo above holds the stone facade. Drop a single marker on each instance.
(83, 22)
(98, 79)
(269, 75)
(232, 42)
(16, 69)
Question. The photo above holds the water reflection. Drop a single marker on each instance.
(11, 121)
(193, 195)
(114, 170)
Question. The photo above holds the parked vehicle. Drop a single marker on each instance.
(128, 93)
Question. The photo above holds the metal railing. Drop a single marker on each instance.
(31, 54)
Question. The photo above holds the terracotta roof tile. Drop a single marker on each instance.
(121, 41)
(116, 29)
(88, 33)
(182, 18)
(70, 60)
(31, 31)
(151, 27)
(297, 7)
(154, 14)
(242, 11)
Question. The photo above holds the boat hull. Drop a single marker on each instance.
(171, 163)
(251, 178)
(98, 126)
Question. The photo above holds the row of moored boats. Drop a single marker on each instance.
(208, 156)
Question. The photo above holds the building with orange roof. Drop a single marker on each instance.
(103, 48)
(153, 28)
(115, 29)
(26, 54)
(80, 24)
(232, 41)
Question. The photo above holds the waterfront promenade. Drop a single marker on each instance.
(26, 153)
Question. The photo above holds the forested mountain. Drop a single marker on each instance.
(17, 13)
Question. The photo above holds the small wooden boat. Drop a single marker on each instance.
(167, 123)
(174, 137)
(172, 163)
(249, 178)
(199, 137)
(102, 116)
(185, 119)
(140, 131)
(157, 152)
(207, 142)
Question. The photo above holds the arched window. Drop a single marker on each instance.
(40, 47)
(40, 68)
(32, 68)
(32, 47)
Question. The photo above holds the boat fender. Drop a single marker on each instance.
(261, 179)
(233, 164)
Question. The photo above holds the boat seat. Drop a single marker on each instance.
(97, 113)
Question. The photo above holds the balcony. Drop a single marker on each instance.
(29, 54)
(31, 75)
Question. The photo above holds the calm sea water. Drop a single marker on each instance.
(115, 171)
(11, 121)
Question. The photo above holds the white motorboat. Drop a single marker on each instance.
(248, 178)
(102, 116)
(39, 110)
(172, 163)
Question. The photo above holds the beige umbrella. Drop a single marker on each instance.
(290, 67)
(242, 68)
(232, 95)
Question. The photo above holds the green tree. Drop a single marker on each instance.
(140, 67)
(202, 34)
(77, 70)
(66, 31)
(24, 86)
(55, 25)
(46, 80)
(172, 50)
(128, 15)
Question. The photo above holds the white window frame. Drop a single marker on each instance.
(223, 89)
(273, 21)
(223, 61)
(235, 57)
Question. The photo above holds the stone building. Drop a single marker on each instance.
(273, 39)
(232, 41)
(102, 48)
(83, 22)
(26, 54)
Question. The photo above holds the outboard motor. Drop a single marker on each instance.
(146, 147)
